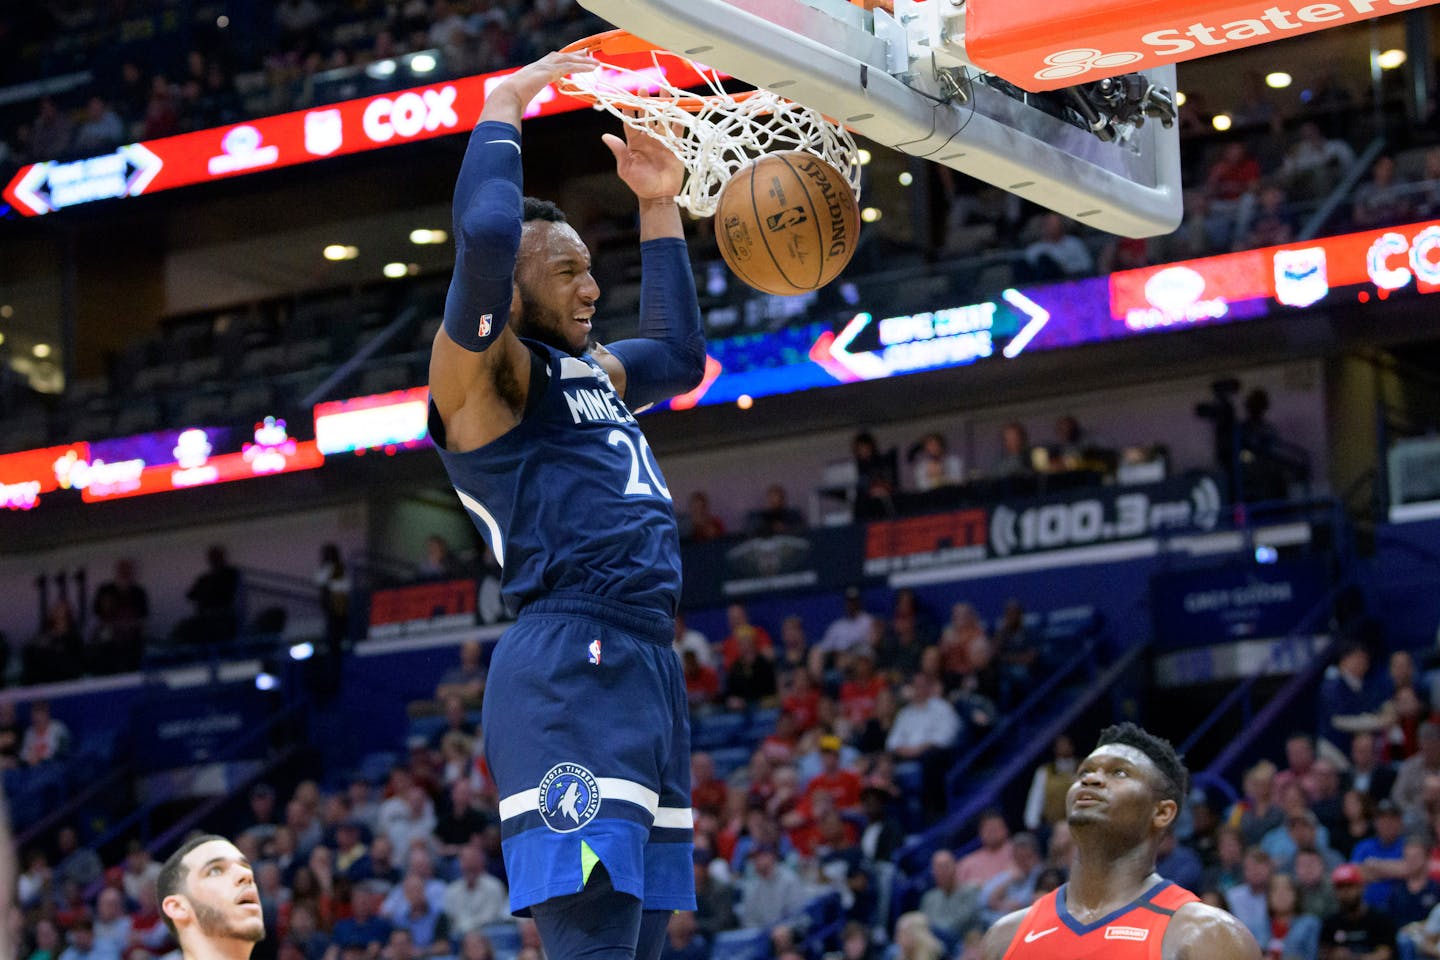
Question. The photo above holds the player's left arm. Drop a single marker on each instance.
(668, 358)
(1199, 931)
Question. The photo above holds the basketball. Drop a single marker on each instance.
(787, 223)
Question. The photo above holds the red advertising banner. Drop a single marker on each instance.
(29, 473)
(1045, 46)
(1293, 275)
(422, 607)
(270, 143)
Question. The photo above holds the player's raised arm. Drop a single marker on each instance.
(476, 359)
(668, 358)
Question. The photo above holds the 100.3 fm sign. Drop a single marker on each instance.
(1190, 503)
(1063, 520)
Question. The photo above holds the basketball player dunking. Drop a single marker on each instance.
(1125, 797)
(209, 901)
(585, 719)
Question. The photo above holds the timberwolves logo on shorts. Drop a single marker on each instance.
(569, 797)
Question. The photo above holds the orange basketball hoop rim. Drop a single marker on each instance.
(623, 43)
(714, 133)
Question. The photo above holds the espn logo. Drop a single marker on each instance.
(1126, 933)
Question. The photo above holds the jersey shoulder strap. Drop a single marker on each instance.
(1041, 920)
(1170, 898)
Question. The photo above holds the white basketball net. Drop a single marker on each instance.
(723, 136)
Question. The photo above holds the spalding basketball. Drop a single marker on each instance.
(787, 223)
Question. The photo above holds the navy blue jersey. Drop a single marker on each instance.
(571, 500)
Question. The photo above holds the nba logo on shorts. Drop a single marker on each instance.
(569, 797)
(485, 322)
(324, 132)
(1300, 276)
(595, 651)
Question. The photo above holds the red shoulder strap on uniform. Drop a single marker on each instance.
(1040, 916)
(1173, 898)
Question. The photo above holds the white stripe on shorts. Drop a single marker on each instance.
(611, 788)
(675, 818)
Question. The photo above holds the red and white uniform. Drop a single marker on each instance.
(1134, 932)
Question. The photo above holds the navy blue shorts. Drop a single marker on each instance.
(587, 733)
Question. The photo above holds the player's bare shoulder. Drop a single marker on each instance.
(999, 937)
(1199, 931)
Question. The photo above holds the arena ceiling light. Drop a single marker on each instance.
(871, 214)
(6, 311)
(1278, 80)
(423, 63)
(1180, 98)
(41, 350)
(2, 339)
(421, 236)
(380, 69)
(1221, 122)
(339, 251)
(1391, 59)
(906, 178)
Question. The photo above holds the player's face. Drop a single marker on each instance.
(220, 894)
(554, 287)
(1113, 787)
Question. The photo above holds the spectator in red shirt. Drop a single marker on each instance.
(700, 525)
(801, 701)
(842, 785)
(858, 693)
(702, 683)
(708, 793)
(739, 619)
(1233, 174)
(780, 745)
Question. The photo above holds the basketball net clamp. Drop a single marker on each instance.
(714, 133)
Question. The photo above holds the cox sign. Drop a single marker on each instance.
(409, 114)
(1394, 259)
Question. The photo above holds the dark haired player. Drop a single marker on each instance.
(209, 901)
(1125, 797)
(585, 716)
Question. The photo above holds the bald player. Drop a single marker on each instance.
(209, 900)
(1125, 798)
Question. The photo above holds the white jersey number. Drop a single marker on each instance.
(637, 487)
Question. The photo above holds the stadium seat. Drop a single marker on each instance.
(762, 724)
(376, 766)
(730, 759)
(741, 945)
(504, 937)
(717, 731)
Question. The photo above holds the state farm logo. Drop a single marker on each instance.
(410, 114)
(1081, 60)
(1176, 296)
(1199, 38)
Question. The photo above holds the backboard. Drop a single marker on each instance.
(905, 82)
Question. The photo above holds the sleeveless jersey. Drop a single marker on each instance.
(1134, 932)
(571, 501)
